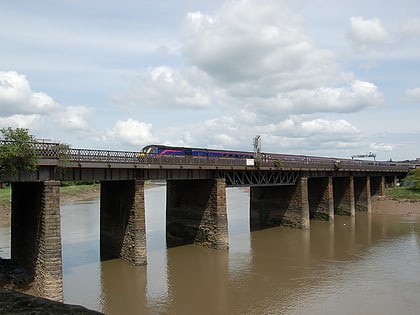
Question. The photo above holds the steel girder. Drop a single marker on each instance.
(258, 178)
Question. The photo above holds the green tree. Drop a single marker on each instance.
(17, 152)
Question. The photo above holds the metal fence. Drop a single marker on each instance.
(47, 150)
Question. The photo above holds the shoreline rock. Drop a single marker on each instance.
(12, 302)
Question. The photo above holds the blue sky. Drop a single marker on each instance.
(319, 77)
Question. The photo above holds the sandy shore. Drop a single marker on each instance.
(385, 205)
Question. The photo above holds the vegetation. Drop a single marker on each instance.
(410, 188)
(17, 153)
(66, 191)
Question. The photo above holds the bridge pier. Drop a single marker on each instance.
(280, 205)
(344, 203)
(362, 194)
(122, 221)
(321, 198)
(377, 185)
(36, 234)
(196, 213)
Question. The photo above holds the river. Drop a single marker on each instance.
(368, 264)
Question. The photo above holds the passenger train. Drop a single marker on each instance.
(162, 151)
(167, 151)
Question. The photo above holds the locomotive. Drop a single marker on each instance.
(160, 151)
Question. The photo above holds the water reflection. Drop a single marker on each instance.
(365, 264)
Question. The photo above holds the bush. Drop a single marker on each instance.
(17, 153)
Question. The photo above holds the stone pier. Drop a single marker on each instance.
(36, 234)
(362, 195)
(344, 203)
(377, 186)
(280, 205)
(321, 198)
(122, 221)
(196, 213)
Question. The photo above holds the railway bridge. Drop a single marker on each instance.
(289, 191)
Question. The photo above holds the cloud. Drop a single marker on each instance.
(366, 34)
(165, 87)
(17, 97)
(413, 95)
(129, 132)
(382, 147)
(22, 107)
(411, 27)
(258, 56)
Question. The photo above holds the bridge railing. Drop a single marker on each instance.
(49, 150)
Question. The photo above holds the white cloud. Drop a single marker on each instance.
(382, 147)
(21, 107)
(366, 34)
(131, 132)
(413, 95)
(411, 27)
(17, 97)
(165, 87)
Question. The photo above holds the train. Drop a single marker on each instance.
(160, 151)
(164, 151)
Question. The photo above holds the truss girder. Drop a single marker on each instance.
(258, 178)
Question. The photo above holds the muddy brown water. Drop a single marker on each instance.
(369, 264)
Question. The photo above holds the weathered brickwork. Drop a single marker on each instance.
(377, 185)
(321, 199)
(196, 213)
(344, 203)
(36, 234)
(122, 221)
(280, 205)
(362, 196)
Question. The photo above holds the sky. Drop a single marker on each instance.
(316, 77)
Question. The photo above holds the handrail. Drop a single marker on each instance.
(46, 150)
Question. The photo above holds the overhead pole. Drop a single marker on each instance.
(257, 146)
(365, 155)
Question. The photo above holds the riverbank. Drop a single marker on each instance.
(388, 206)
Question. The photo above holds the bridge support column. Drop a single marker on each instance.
(280, 205)
(196, 213)
(122, 221)
(36, 234)
(362, 195)
(344, 203)
(377, 186)
(321, 198)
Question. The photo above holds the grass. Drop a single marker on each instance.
(74, 190)
(403, 193)
(5, 196)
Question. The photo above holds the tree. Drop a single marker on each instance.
(17, 152)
